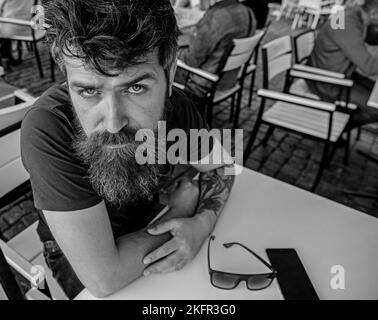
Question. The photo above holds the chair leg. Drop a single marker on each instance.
(251, 140)
(347, 148)
(251, 89)
(323, 165)
(268, 135)
(209, 114)
(19, 50)
(315, 22)
(295, 22)
(237, 112)
(359, 132)
(232, 111)
(37, 56)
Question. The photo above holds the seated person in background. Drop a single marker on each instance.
(345, 50)
(17, 9)
(224, 21)
(260, 9)
(79, 144)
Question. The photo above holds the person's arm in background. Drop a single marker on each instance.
(351, 41)
(201, 42)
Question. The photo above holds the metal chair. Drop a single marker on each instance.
(236, 58)
(303, 45)
(313, 11)
(287, 8)
(36, 36)
(312, 118)
(24, 251)
(252, 67)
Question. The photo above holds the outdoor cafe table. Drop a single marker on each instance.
(265, 213)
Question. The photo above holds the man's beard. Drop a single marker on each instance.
(114, 173)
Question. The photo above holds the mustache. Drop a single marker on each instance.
(125, 136)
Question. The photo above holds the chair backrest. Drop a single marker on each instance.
(9, 289)
(12, 172)
(13, 108)
(277, 58)
(303, 45)
(310, 4)
(34, 274)
(242, 51)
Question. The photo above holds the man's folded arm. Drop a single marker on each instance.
(102, 264)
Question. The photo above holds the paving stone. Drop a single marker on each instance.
(300, 153)
(29, 219)
(13, 215)
(297, 163)
(3, 225)
(28, 206)
(13, 231)
(272, 168)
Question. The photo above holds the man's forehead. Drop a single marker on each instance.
(77, 68)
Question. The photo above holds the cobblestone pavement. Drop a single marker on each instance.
(287, 157)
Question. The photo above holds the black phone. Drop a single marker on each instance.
(291, 275)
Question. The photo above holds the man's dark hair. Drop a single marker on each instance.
(111, 35)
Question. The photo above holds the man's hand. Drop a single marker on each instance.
(188, 236)
(182, 200)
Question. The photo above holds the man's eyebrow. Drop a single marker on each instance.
(145, 76)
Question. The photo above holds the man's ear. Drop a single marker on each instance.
(172, 73)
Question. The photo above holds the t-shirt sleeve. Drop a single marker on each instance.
(59, 180)
(189, 119)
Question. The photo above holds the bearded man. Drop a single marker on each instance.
(78, 144)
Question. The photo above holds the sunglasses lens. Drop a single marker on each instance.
(259, 282)
(224, 280)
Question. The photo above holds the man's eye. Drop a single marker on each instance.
(88, 93)
(136, 89)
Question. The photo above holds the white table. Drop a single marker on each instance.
(265, 213)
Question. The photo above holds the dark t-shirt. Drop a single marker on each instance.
(59, 179)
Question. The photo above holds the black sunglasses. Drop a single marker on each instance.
(229, 281)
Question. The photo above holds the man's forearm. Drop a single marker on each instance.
(135, 246)
(215, 189)
(132, 249)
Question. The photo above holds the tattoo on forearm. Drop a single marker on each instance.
(215, 188)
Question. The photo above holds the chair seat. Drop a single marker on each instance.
(27, 243)
(221, 95)
(39, 35)
(301, 88)
(305, 120)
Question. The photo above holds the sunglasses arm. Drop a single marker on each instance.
(229, 245)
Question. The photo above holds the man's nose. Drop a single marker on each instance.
(115, 119)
